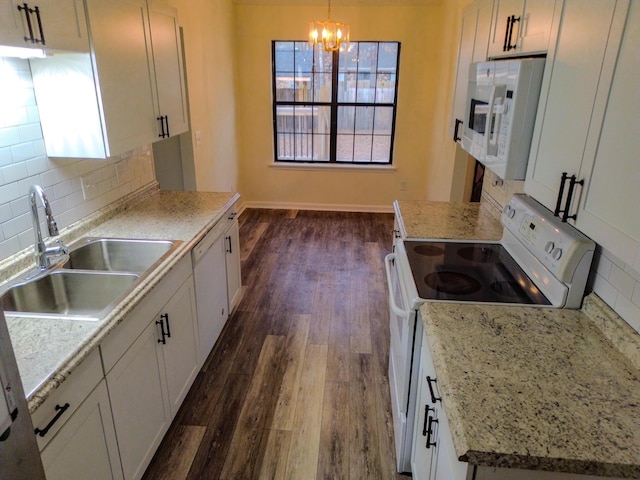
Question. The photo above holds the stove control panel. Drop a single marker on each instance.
(558, 246)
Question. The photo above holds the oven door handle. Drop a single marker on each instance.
(392, 301)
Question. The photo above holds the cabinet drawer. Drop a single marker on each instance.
(54, 412)
(126, 333)
(221, 226)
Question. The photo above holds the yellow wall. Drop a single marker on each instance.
(421, 106)
(228, 54)
(210, 58)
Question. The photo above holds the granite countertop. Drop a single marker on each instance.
(539, 388)
(48, 350)
(448, 220)
(527, 387)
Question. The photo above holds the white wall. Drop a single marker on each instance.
(616, 282)
(23, 162)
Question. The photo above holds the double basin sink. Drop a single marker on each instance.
(99, 274)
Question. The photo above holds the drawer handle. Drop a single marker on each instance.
(232, 215)
(45, 430)
(430, 431)
(427, 409)
(434, 399)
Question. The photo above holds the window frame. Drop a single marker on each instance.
(333, 105)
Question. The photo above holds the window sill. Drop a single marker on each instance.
(335, 167)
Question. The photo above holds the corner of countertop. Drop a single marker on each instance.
(621, 335)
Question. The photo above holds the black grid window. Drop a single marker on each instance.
(335, 107)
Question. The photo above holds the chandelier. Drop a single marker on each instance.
(328, 35)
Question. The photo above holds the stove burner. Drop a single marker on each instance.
(507, 289)
(428, 250)
(452, 282)
(479, 254)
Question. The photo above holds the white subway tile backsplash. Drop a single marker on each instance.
(616, 282)
(622, 282)
(15, 172)
(23, 162)
(9, 136)
(23, 151)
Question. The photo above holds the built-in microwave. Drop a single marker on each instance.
(502, 100)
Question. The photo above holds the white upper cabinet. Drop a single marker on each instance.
(114, 99)
(474, 40)
(588, 122)
(608, 209)
(521, 27)
(169, 74)
(49, 24)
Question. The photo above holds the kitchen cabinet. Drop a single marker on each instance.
(57, 24)
(433, 456)
(74, 427)
(148, 379)
(216, 271)
(85, 447)
(522, 27)
(472, 47)
(168, 69)
(232, 261)
(590, 74)
(109, 101)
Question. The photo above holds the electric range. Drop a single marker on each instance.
(540, 261)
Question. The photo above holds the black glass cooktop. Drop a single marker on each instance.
(469, 272)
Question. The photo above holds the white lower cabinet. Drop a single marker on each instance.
(74, 427)
(232, 262)
(85, 447)
(138, 391)
(151, 361)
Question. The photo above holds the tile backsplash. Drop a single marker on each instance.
(616, 282)
(75, 187)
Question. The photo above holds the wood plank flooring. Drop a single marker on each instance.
(296, 386)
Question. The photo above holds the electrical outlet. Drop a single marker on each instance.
(122, 170)
(403, 186)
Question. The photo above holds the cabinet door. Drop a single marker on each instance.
(474, 39)
(569, 87)
(180, 350)
(501, 25)
(521, 27)
(124, 68)
(168, 66)
(11, 32)
(85, 447)
(423, 457)
(609, 207)
(232, 249)
(138, 392)
(211, 294)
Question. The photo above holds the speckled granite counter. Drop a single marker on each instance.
(448, 220)
(539, 388)
(48, 350)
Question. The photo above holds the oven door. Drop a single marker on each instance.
(402, 327)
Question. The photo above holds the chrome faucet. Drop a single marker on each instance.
(43, 253)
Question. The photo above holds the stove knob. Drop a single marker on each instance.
(556, 253)
(549, 247)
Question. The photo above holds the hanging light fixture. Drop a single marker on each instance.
(328, 35)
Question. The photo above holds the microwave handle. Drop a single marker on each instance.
(491, 139)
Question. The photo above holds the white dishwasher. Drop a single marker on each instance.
(210, 276)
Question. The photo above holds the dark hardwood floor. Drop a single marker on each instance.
(296, 386)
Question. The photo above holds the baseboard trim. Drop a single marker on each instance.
(330, 207)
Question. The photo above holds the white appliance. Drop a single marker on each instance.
(502, 101)
(540, 261)
(19, 455)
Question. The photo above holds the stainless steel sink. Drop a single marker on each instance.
(117, 254)
(68, 294)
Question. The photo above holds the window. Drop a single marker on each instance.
(334, 107)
